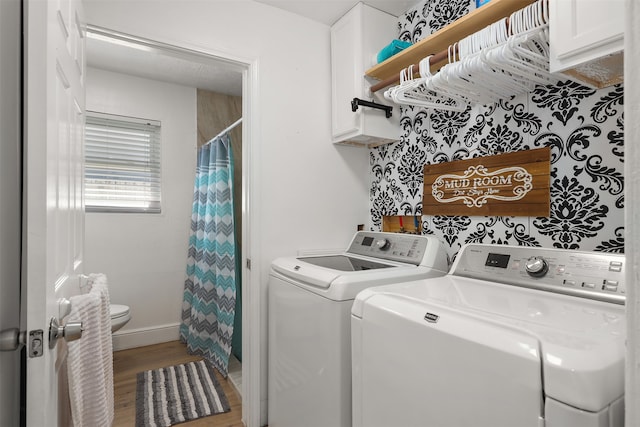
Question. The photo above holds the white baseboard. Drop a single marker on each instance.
(141, 337)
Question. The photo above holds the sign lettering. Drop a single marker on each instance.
(514, 184)
(478, 185)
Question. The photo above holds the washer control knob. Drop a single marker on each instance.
(536, 266)
(383, 244)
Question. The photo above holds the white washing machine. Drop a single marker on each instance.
(511, 337)
(310, 302)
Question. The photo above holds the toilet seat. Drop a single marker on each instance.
(120, 316)
(118, 310)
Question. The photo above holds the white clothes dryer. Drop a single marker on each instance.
(511, 337)
(310, 301)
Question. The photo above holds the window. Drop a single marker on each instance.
(122, 164)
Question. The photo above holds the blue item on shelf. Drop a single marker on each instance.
(481, 2)
(391, 49)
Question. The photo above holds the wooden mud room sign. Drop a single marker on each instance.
(511, 184)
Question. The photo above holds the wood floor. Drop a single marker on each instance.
(127, 363)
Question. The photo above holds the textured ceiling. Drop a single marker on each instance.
(206, 73)
(128, 58)
(329, 11)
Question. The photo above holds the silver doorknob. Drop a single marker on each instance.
(70, 331)
(12, 339)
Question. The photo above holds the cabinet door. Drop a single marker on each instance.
(582, 31)
(346, 72)
(356, 39)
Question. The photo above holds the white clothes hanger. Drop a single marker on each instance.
(444, 82)
(471, 77)
(417, 94)
(494, 63)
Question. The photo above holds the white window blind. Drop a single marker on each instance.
(122, 164)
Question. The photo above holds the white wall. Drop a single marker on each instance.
(144, 255)
(307, 193)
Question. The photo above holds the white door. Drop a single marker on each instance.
(53, 216)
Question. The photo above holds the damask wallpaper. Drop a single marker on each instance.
(583, 127)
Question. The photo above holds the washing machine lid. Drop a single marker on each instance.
(456, 365)
(345, 263)
(372, 259)
(581, 341)
(339, 285)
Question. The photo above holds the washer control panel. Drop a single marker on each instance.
(407, 248)
(595, 275)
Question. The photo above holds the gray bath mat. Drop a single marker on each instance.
(173, 395)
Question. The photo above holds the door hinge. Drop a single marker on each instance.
(248, 263)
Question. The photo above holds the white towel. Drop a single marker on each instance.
(90, 359)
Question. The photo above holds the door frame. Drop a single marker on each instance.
(11, 105)
(251, 343)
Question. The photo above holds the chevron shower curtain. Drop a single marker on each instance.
(208, 307)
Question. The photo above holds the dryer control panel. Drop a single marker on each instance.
(595, 275)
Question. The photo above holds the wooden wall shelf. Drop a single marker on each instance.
(443, 38)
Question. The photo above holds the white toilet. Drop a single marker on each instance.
(120, 315)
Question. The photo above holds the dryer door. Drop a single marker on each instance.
(421, 364)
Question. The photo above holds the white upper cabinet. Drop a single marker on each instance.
(356, 39)
(587, 40)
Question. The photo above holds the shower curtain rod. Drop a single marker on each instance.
(236, 123)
